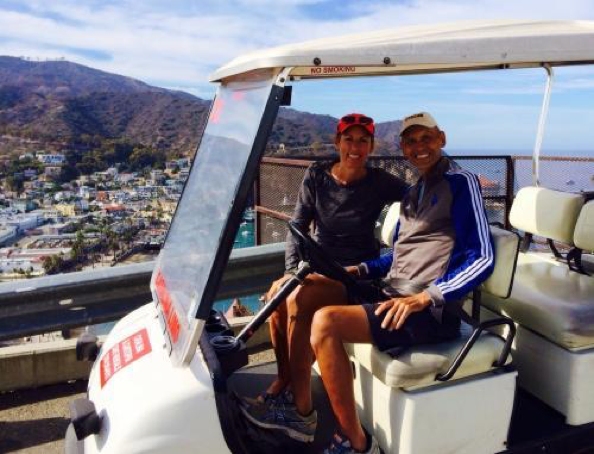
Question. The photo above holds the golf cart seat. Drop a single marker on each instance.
(417, 388)
(553, 305)
(421, 365)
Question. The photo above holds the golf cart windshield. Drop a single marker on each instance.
(189, 266)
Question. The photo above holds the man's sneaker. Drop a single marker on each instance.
(341, 445)
(283, 416)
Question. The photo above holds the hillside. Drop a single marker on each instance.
(51, 104)
(59, 101)
(64, 79)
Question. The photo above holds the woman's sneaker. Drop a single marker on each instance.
(264, 398)
(283, 416)
(342, 445)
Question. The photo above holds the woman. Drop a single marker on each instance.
(343, 199)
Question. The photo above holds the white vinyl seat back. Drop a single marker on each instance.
(547, 213)
(507, 245)
(389, 224)
(583, 236)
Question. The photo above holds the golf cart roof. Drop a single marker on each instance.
(429, 48)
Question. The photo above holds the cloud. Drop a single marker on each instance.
(176, 44)
(180, 43)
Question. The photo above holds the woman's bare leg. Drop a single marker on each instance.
(316, 292)
(278, 336)
(330, 328)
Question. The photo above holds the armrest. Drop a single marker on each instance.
(479, 327)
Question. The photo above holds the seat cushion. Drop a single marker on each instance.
(417, 366)
(551, 300)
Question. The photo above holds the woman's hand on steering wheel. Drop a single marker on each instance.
(319, 260)
(353, 271)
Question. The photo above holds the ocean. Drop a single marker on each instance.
(557, 168)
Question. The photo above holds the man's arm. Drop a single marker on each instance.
(473, 249)
(379, 267)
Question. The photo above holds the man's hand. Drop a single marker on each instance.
(398, 309)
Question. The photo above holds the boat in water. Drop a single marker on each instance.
(237, 310)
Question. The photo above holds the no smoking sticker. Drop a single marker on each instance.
(123, 354)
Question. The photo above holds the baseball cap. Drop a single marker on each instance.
(356, 119)
(418, 119)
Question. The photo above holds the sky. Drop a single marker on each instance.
(176, 44)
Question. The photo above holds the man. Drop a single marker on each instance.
(442, 243)
(442, 247)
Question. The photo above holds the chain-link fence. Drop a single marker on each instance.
(568, 174)
(279, 181)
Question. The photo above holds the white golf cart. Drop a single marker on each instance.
(164, 379)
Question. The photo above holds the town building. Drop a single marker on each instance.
(7, 235)
(51, 159)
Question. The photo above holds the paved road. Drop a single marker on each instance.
(35, 421)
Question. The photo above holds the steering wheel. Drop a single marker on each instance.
(319, 260)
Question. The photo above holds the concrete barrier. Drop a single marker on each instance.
(37, 364)
(259, 338)
(33, 365)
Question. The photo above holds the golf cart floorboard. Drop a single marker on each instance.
(536, 428)
(251, 380)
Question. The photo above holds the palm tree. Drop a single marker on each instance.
(78, 248)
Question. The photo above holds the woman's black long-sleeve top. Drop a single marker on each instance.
(344, 216)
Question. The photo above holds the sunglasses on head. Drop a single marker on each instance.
(359, 119)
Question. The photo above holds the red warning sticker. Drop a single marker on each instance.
(123, 354)
(169, 312)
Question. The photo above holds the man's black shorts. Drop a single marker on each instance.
(419, 327)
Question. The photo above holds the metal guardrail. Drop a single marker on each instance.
(66, 301)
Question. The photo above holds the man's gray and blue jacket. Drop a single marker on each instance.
(442, 239)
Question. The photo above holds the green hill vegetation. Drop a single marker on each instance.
(98, 119)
